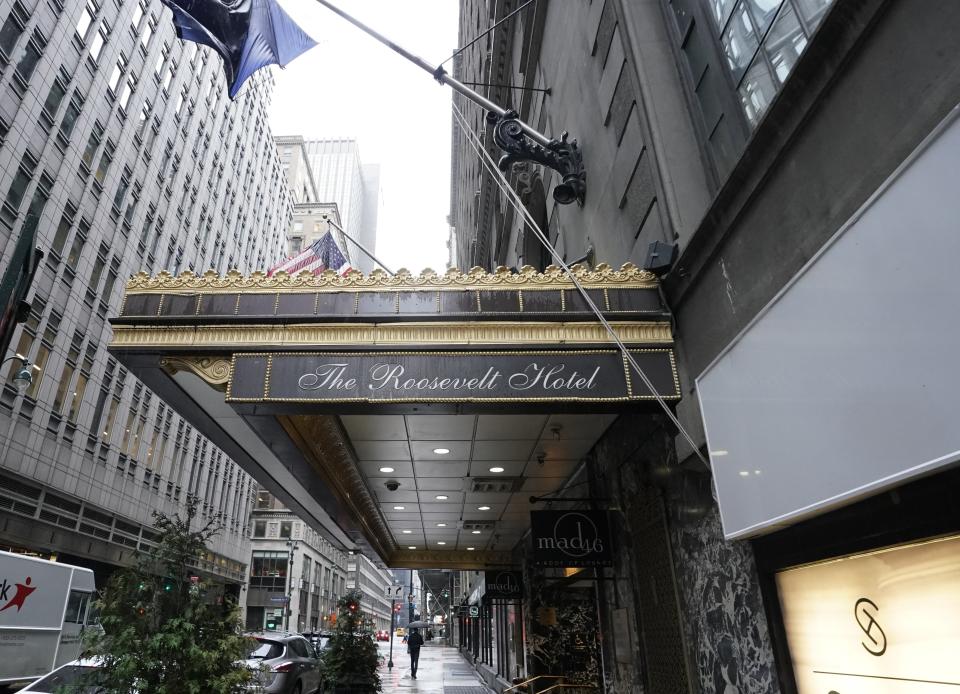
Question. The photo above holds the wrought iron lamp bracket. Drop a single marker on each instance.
(561, 155)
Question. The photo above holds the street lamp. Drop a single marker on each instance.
(24, 377)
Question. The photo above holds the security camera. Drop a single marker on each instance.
(392, 485)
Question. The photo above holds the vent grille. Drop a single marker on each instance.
(494, 485)
(476, 525)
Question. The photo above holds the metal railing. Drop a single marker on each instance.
(522, 686)
(579, 688)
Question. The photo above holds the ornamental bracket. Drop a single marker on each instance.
(561, 155)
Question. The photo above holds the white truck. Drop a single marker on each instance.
(43, 612)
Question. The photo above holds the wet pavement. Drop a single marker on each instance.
(442, 670)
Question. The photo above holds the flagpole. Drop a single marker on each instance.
(358, 244)
(438, 72)
(560, 155)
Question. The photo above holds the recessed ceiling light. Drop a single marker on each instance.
(411, 547)
(470, 549)
(442, 497)
(386, 469)
(441, 542)
(496, 469)
(407, 532)
(441, 525)
(475, 532)
(399, 508)
(441, 451)
(483, 508)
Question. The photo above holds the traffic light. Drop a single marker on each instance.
(141, 610)
(352, 606)
(167, 585)
(396, 608)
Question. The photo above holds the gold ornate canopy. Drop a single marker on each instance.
(241, 358)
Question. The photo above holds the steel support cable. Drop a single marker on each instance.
(514, 198)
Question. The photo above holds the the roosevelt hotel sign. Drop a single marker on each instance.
(597, 375)
(570, 538)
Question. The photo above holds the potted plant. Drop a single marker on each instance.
(351, 659)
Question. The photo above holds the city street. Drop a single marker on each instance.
(442, 670)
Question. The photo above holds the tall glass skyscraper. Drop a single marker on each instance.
(342, 178)
(119, 143)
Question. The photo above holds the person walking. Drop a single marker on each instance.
(413, 647)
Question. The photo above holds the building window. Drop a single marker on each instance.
(260, 528)
(115, 76)
(54, 98)
(70, 116)
(31, 56)
(268, 570)
(93, 143)
(762, 41)
(73, 257)
(18, 187)
(125, 94)
(99, 41)
(86, 19)
(137, 17)
(105, 160)
(285, 529)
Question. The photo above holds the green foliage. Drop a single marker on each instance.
(350, 661)
(161, 633)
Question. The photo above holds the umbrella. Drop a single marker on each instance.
(419, 624)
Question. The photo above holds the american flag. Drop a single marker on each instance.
(322, 254)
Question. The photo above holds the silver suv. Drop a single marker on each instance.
(283, 664)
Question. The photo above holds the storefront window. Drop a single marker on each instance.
(269, 570)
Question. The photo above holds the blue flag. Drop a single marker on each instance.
(248, 34)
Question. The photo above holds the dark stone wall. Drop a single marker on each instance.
(726, 626)
(692, 599)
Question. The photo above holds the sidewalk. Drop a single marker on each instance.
(442, 670)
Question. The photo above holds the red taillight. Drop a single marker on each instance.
(283, 667)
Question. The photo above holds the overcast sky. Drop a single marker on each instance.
(352, 86)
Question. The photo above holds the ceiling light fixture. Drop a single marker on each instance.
(475, 532)
(442, 497)
(399, 508)
(386, 469)
(441, 542)
(441, 451)
(496, 469)
(483, 508)
(470, 549)
(412, 547)
(407, 532)
(441, 525)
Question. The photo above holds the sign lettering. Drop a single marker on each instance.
(590, 375)
(571, 538)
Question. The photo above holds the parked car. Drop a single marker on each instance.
(284, 664)
(383, 635)
(76, 677)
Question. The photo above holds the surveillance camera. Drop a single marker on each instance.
(392, 485)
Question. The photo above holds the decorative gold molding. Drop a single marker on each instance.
(325, 445)
(629, 275)
(458, 334)
(449, 559)
(215, 370)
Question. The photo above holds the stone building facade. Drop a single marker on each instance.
(748, 133)
(118, 144)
